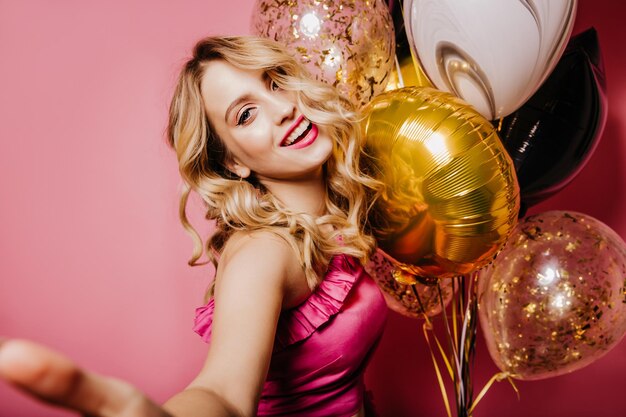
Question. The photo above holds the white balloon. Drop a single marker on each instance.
(494, 54)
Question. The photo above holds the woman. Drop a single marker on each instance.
(292, 318)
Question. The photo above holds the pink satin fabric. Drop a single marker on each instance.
(322, 346)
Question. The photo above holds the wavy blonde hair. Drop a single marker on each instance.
(238, 205)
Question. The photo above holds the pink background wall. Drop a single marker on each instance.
(92, 258)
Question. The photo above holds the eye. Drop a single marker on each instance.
(273, 85)
(245, 116)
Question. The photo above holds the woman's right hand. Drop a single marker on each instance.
(52, 378)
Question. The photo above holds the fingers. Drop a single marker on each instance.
(55, 379)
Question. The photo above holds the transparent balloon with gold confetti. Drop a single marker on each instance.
(554, 300)
(348, 44)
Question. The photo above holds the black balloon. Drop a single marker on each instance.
(551, 137)
(403, 49)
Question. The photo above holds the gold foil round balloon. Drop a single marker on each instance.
(349, 44)
(554, 300)
(451, 196)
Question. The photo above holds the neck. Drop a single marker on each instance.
(306, 195)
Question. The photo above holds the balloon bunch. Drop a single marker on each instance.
(465, 124)
(552, 301)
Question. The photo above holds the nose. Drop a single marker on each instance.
(285, 110)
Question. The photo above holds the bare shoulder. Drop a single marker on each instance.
(258, 241)
(262, 261)
(250, 256)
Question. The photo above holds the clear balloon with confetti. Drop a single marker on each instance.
(554, 300)
(348, 44)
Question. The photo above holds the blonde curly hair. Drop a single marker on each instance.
(246, 205)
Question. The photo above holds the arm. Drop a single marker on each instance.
(250, 289)
(249, 293)
(52, 378)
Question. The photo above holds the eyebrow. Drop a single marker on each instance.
(235, 103)
(265, 77)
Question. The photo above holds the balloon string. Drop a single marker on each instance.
(446, 321)
(464, 355)
(442, 387)
(458, 360)
(399, 72)
(464, 330)
(446, 361)
(454, 318)
(461, 344)
(497, 377)
(419, 301)
(508, 378)
(468, 336)
(458, 384)
(457, 313)
(429, 325)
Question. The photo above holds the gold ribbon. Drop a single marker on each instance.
(497, 377)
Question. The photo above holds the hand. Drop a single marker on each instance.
(53, 378)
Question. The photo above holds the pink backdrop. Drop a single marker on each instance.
(93, 258)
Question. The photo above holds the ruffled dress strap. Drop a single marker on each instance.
(326, 301)
(204, 320)
(300, 322)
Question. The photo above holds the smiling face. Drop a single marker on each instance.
(261, 126)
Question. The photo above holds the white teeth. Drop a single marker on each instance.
(302, 126)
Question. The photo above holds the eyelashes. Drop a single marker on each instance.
(245, 116)
(248, 112)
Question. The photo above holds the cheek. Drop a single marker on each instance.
(327, 144)
(252, 148)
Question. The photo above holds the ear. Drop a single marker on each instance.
(237, 168)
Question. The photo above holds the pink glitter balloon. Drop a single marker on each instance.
(400, 297)
(349, 44)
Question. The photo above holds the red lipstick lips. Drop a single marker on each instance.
(300, 134)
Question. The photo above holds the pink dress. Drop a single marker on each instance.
(322, 346)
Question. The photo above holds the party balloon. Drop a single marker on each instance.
(400, 297)
(554, 300)
(450, 194)
(493, 54)
(349, 44)
(552, 136)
